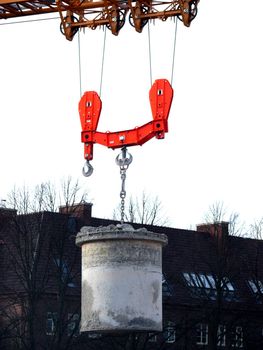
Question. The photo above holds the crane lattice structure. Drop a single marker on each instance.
(76, 14)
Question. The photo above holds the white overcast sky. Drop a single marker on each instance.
(213, 151)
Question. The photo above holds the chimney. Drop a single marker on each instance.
(7, 212)
(217, 230)
(81, 210)
(6, 216)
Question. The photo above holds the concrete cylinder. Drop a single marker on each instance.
(121, 279)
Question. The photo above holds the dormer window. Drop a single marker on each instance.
(256, 286)
(206, 285)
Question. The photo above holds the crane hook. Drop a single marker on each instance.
(124, 159)
(87, 169)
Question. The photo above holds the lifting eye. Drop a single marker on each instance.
(89, 104)
(160, 92)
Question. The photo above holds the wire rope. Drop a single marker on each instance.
(150, 53)
(29, 21)
(174, 46)
(79, 57)
(102, 60)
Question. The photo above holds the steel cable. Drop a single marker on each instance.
(102, 60)
(173, 59)
(150, 53)
(29, 21)
(80, 75)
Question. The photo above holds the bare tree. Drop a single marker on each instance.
(223, 263)
(218, 212)
(47, 196)
(256, 229)
(39, 258)
(72, 193)
(146, 210)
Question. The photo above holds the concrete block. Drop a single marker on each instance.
(121, 279)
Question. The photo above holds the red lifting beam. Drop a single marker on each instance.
(161, 95)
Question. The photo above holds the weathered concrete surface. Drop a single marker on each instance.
(121, 279)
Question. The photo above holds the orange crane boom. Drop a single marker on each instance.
(76, 14)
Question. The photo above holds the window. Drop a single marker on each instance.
(73, 324)
(63, 268)
(207, 281)
(237, 338)
(167, 292)
(256, 286)
(221, 336)
(72, 224)
(202, 334)
(94, 335)
(169, 333)
(152, 337)
(207, 285)
(226, 284)
(51, 323)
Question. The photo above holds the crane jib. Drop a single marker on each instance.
(92, 14)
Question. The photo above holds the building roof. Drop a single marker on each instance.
(197, 264)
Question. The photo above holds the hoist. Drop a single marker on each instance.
(111, 14)
(160, 95)
(90, 105)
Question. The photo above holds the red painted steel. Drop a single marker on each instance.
(161, 95)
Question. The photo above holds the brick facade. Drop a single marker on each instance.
(212, 286)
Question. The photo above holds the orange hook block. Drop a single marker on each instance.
(161, 95)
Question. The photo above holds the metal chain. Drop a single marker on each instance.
(123, 193)
(123, 160)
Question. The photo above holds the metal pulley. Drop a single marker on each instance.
(90, 105)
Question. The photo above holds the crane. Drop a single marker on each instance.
(77, 14)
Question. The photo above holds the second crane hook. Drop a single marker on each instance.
(124, 159)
